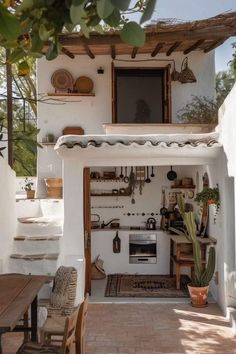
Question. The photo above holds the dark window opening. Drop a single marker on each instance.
(140, 96)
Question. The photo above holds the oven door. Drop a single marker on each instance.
(142, 251)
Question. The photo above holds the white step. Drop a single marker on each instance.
(40, 226)
(39, 244)
(44, 264)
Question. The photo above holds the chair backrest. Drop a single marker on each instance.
(69, 332)
(80, 326)
(63, 292)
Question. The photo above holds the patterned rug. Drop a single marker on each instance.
(142, 285)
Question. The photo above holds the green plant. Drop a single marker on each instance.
(202, 275)
(27, 26)
(28, 184)
(209, 194)
(201, 110)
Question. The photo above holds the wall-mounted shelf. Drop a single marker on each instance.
(183, 187)
(48, 144)
(115, 179)
(111, 195)
(66, 94)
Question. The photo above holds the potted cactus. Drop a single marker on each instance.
(198, 288)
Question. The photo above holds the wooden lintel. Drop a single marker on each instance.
(134, 52)
(157, 49)
(172, 48)
(88, 51)
(194, 46)
(214, 45)
(113, 51)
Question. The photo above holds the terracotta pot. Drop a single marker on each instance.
(54, 187)
(211, 201)
(30, 194)
(198, 295)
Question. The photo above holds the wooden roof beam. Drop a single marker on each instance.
(157, 49)
(214, 45)
(151, 38)
(67, 52)
(172, 48)
(88, 51)
(113, 51)
(134, 52)
(194, 46)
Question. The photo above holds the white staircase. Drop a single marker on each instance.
(37, 244)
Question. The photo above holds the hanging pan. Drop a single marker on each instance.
(171, 175)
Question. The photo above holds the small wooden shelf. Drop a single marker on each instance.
(111, 195)
(183, 187)
(66, 94)
(48, 144)
(102, 179)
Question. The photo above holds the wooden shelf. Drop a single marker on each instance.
(183, 187)
(66, 94)
(111, 195)
(102, 179)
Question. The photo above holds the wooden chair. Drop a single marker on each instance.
(53, 327)
(65, 345)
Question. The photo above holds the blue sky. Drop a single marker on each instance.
(199, 9)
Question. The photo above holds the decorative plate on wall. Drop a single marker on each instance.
(62, 80)
(83, 84)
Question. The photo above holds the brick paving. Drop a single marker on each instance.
(151, 329)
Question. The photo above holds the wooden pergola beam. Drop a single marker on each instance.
(113, 51)
(151, 38)
(172, 48)
(214, 45)
(88, 51)
(9, 109)
(134, 52)
(194, 46)
(67, 52)
(157, 49)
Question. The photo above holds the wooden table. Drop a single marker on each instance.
(18, 292)
(182, 259)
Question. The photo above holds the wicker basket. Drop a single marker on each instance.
(97, 271)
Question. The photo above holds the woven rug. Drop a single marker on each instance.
(142, 285)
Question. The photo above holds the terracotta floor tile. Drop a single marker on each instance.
(150, 329)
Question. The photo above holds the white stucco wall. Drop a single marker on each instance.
(7, 213)
(91, 112)
(228, 139)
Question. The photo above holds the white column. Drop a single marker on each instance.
(73, 235)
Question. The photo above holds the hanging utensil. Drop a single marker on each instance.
(163, 210)
(126, 178)
(147, 180)
(171, 175)
(152, 174)
(121, 173)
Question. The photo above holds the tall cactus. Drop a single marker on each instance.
(202, 275)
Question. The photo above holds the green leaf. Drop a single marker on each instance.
(23, 68)
(133, 34)
(77, 2)
(114, 19)
(25, 5)
(16, 55)
(76, 13)
(44, 34)
(52, 51)
(9, 24)
(37, 44)
(147, 14)
(94, 21)
(104, 8)
(121, 4)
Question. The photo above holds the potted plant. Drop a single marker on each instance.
(209, 196)
(28, 188)
(202, 275)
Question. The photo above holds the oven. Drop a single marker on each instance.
(142, 248)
